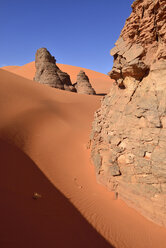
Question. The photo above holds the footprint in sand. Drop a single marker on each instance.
(77, 184)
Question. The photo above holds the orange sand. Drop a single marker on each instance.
(44, 133)
(100, 81)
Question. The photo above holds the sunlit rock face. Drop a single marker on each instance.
(142, 41)
(47, 72)
(83, 85)
(128, 138)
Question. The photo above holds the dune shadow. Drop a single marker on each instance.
(49, 221)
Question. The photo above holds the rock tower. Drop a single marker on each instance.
(47, 72)
(83, 85)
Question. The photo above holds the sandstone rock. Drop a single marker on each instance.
(47, 72)
(136, 69)
(97, 160)
(114, 51)
(83, 85)
(130, 126)
(134, 52)
(143, 38)
(114, 170)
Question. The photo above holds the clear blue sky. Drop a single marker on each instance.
(76, 32)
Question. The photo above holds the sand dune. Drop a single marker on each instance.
(44, 133)
(51, 221)
(99, 81)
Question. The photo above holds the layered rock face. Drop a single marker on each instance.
(142, 41)
(83, 85)
(47, 72)
(128, 139)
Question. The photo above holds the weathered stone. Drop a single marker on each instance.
(115, 140)
(159, 170)
(142, 166)
(135, 69)
(114, 170)
(83, 85)
(115, 73)
(120, 83)
(147, 179)
(114, 51)
(134, 52)
(97, 160)
(143, 37)
(47, 72)
(159, 65)
(159, 155)
(122, 46)
(148, 189)
(132, 117)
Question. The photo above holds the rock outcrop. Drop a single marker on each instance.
(142, 41)
(128, 139)
(83, 85)
(47, 72)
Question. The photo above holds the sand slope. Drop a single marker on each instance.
(100, 81)
(44, 133)
(51, 221)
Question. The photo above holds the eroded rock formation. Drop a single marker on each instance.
(47, 72)
(142, 41)
(83, 85)
(128, 140)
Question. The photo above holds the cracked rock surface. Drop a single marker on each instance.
(128, 138)
(47, 72)
(141, 42)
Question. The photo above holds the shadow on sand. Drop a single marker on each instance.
(101, 94)
(50, 221)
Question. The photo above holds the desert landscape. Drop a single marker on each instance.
(82, 153)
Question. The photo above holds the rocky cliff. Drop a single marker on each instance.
(47, 72)
(128, 139)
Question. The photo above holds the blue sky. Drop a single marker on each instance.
(76, 32)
